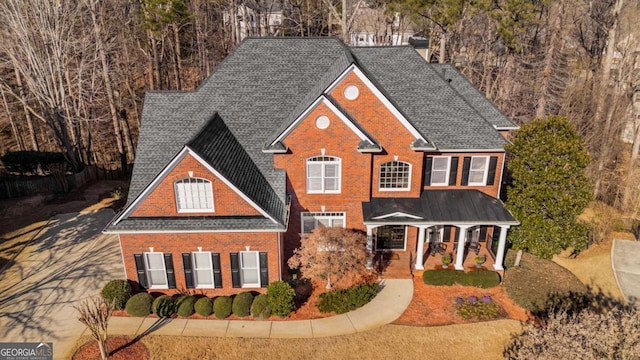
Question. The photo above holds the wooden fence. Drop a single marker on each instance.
(18, 186)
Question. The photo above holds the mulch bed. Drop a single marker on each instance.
(436, 305)
(120, 348)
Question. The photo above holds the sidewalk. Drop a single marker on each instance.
(393, 298)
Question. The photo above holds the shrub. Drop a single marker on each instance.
(222, 306)
(260, 308)
(280, 296)
(344, 300)
(204, 306)
(242, 304)
(482, 279)
(473, 307)
(163, 306)
(116, 292)
(185, 305)
(139, 305)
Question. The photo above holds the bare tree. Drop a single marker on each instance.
(95, 314)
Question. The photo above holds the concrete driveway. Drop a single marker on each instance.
(625, 259)
(68, 261)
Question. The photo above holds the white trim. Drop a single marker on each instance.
(322, 99)
(336, 161)
(500, 178)
(181, 155)
(397, 214)
(447, 171)
(484, 175)
(504, 128)
(147, 269)
(241, 268)
(193, 270)
(192, 231)
(404, 248)
(434, 223)
(471, 150)
(353, 68)
(408, 188)
(331, 215)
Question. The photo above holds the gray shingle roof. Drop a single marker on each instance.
(474, 97)
(195, 224)
(266, 83)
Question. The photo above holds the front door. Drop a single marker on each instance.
(390, 237)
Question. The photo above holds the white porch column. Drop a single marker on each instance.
(370, 246)
(420, 250)
(502, 243)
(462, 236)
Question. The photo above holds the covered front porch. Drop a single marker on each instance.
(464, 224)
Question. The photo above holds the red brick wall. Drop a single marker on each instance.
(491, 190)
(223, 243)
(162, 201)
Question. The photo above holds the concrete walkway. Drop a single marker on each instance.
(388, 305)
(68, 261)
(625, 260)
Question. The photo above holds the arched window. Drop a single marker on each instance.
(194, 195)
(395, 175)
(323, 174)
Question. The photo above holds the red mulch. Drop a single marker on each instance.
(436, 305)
(119, 349)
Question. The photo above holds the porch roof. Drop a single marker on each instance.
(439, 207)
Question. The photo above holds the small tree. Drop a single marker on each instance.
(549, 189)
(332, 254)
(95, 314)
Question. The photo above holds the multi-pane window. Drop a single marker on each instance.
(312, 220)
(250, 269)
(156, 271)
(478, 170)
(202, 269)
(395, 175)
(323, 174)
(440, 170)
(194, 195)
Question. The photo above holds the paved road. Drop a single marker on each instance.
(68, 261)
(625, 259)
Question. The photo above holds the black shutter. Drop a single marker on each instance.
(142, 274)
(453, 171)
(188, 270)
(264, 270)
(466, 164)
(235, 270)
(455, 234)
(168, 265)
(446, 237)
(493, 163)
(428, 163)
(217, 274)
(483, 233)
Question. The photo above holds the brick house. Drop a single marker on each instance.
(289, 134)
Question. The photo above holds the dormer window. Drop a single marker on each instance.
(193, 195)
(323, 175)
(395, 176)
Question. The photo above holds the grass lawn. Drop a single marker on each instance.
(593, 266)
(389, 341)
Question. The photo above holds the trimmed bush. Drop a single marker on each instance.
(280, 295)
(185, 305)
(204, 306)
(139, 305)
(260, 308)
(345, 300)
(242, 304)
(163, 306)
(222, 306)
(116, 292)
(481, 279)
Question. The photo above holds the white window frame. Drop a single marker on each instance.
(241, 269)
(148, 269)
(193, 180)
(333, 160)
(316, 216)
(485, 170)
(195, 273)
(407, 188)
(447, 171)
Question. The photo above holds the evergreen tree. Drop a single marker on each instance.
(549, 189)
